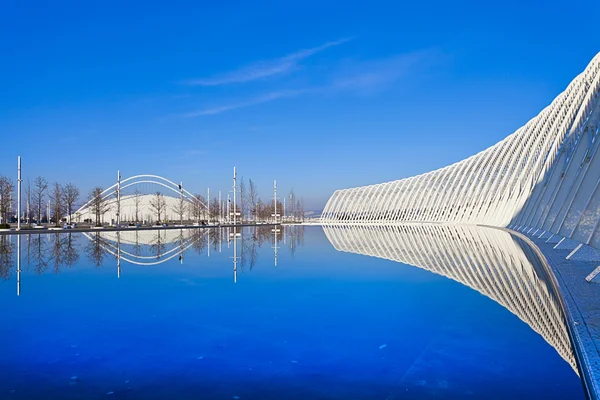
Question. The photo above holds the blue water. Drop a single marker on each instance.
(320, 325)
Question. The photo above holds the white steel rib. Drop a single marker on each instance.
(544, 176)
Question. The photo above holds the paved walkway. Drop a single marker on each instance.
(582, 301)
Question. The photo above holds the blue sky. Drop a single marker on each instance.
(318, 95)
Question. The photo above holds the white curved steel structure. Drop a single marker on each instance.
(490, 261)
(544, 177)
(114, 194)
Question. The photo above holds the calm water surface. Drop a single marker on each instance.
(176, 315)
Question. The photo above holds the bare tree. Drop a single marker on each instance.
(259, 210)
(253, 199)
(137, 199)
(291, 207)
(158, 204)
(300, 209)
(56, 196)
(28, 205)
(40, 185)
(215, 208)
(99, 205)
(198, 207)
(180, 208)
(243, 198)
(6, 196)
(70, 196)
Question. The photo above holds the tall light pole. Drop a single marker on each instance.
(181, 203)
(275, 200)
(234, 192)
(208, 202)
(228, 206)
(19, 180)
(118, 198)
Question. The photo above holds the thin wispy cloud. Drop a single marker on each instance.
(264, 69)
(247, 103)
(359, 77)
(376, 74)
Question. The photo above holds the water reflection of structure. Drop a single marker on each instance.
(38, 252)
(491, 261)
(145, 248)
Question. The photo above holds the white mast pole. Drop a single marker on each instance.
(19, 194)
(234, 197)
(275, 199)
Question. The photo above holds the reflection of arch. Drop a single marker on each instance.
(111, 192)
(487, 260)
(111, 243)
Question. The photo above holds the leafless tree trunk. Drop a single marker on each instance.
(70, 197)
(57, 203)
(292, 208)
(243, 199)
(253, 199)
(137, 199)
(29, 205)
(6, 196)
(215, 208)
(259, 210)
(40, 185)
(99, 205)
(199, 207)
(180, 208)
(300, 209)
(158, 204)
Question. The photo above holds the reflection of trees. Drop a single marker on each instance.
(296, 237)
(137, 250)
(199, 239)
(71, 254)
(6, 249)
(249, 252)
(262, 234)
(158, 244)
(56, 252)
(38, 251)
(215, 236)
(94, 249)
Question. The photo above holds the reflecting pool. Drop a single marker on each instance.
(287, 313)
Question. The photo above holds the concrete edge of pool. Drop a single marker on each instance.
(578, 299)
